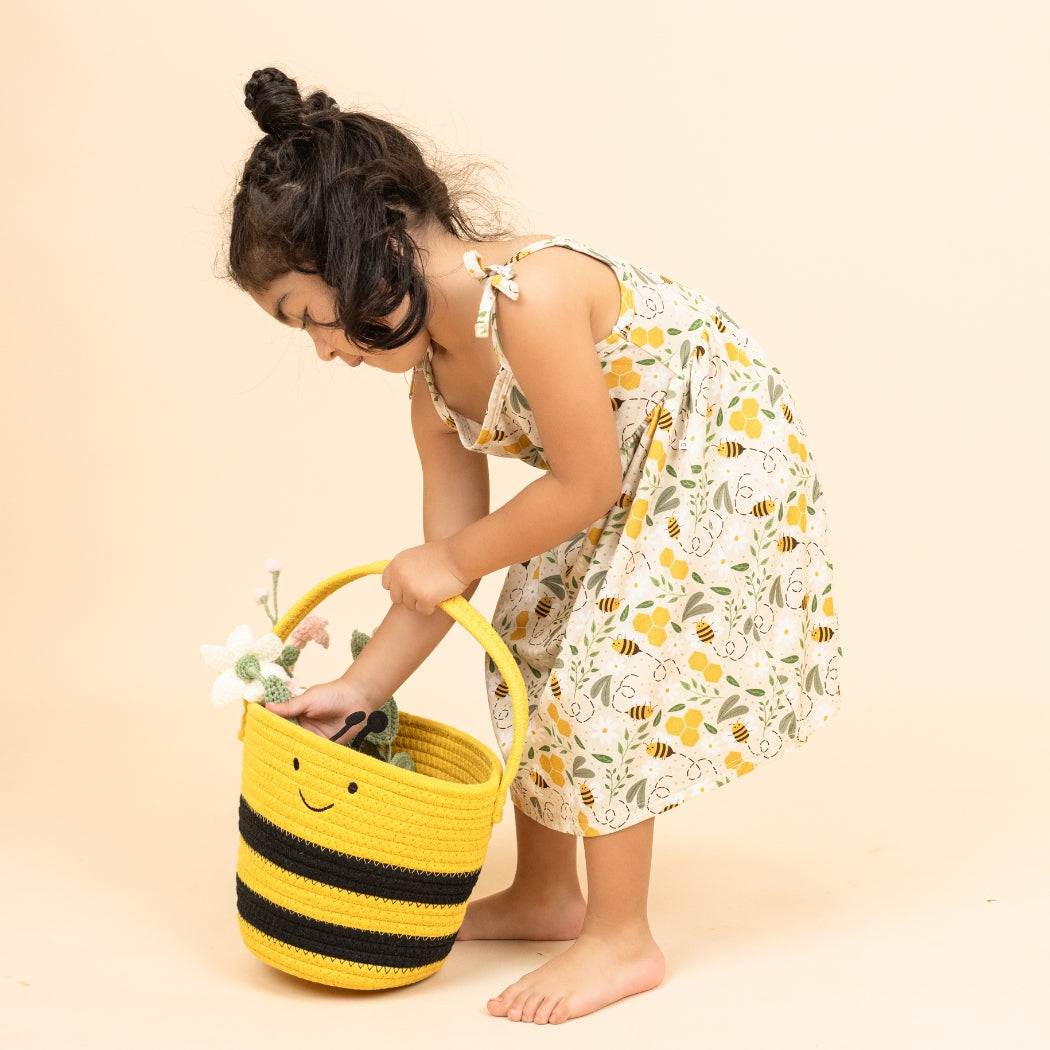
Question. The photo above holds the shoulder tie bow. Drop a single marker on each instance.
(496, 278)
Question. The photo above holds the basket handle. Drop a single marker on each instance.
(463, 613)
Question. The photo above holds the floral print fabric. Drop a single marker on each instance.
(690, 636)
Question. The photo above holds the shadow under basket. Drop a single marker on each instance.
(353, 872)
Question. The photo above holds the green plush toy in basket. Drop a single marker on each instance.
(352, 871)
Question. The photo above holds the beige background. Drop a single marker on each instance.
(863, 187)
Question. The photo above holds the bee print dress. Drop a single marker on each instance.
(689, 636)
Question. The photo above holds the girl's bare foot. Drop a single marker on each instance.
(524, 914)
(543, 903)
(595, 972)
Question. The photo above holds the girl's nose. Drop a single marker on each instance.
(324, 351)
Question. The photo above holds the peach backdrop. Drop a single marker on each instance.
(862, 186)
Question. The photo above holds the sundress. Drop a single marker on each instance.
(689, 636)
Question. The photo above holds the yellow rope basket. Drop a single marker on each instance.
(353, 872)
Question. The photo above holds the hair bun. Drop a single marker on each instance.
(275, 102)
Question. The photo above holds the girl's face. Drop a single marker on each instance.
(303, 300)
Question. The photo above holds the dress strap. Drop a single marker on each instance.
(496, 278)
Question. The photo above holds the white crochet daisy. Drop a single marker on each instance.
(244, 665)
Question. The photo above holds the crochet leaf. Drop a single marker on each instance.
(403, 760)
(358, 640)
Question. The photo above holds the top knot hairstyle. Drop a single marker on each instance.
(334, 193)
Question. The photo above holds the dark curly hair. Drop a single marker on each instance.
(334, 193)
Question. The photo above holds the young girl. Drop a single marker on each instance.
(669, 594)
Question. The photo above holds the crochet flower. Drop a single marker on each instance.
(312, 629)
(248, 670)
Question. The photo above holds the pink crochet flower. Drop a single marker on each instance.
(312, 629)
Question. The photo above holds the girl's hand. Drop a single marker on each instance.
(322, 709)
(421, 577)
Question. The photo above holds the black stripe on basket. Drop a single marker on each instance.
(338, 942)
(347, 872)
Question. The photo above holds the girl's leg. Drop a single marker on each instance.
(543, 903)
(615, 955)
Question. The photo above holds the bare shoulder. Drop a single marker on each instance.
(565, 286)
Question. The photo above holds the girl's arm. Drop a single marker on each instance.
(455, 493)
(548, 342)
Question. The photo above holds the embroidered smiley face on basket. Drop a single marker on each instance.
(376, 723)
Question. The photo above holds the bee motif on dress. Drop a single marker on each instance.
(704, 631)
(786, 543)
(587, 795)
(616, 402)
(498, 435)
(657, 749)
(761, 510)
(673, 528)
(555, 686)
(543, 607)
(740, 732)
(663, 418)
(537, 779)
(501, 690)
(822, 634)
(450, 423)
(625, 500)
(625, 647)
(640, 712)
(730, 449)
(720, 324)
(608, 605)
(673, 805)
(787, 412)
(699, 350)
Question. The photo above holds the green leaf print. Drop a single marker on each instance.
(674, 331)
(636, 794)
(789, 725)
(667, 500)
(776, 594)
(698, 323)
(722, 497)
(713, 730)
(775, 390)
(597, 580)
(793, 659)
(768, 414)
(813, 682)
(646, 361)
(604, 759)
(729, 708)
(757, 692)
(554, 585)
(603, 688)
(723, 591)
(580, 770)
(742, 567)
(817, 490)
